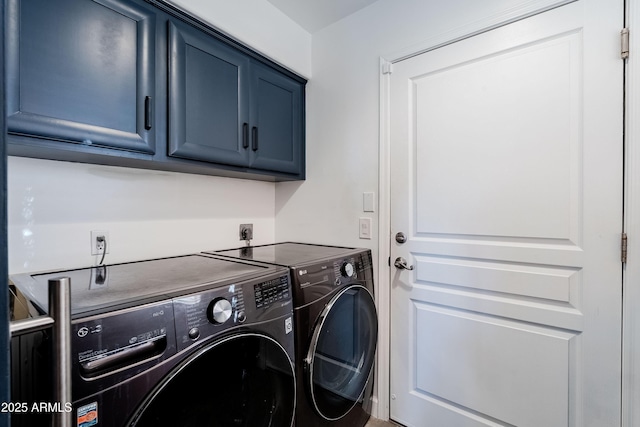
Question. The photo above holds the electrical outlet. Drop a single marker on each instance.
(246, 231)
(99, 277)
(99, 242)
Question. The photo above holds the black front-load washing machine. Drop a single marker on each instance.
(336, 328)
(182, 341)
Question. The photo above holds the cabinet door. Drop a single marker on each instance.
(82, 71)
(208, 110)
(277, 120)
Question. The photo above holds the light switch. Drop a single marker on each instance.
(368, 202)
(365, 228)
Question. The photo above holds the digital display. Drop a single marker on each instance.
(267, 293)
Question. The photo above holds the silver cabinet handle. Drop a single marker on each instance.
(401, 263)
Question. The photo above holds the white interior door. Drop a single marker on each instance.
(506, 173)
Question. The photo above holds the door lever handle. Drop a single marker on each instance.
(401, 263)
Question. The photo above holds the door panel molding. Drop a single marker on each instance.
(520, 9)
(498, 381)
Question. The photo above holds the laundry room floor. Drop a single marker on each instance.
(374, 422)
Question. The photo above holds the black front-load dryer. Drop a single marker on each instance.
(336, 328)
(183, 341)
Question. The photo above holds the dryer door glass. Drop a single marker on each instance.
(342, 352)
(246, 380)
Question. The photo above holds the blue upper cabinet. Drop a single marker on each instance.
(277, 121)
(208, 103)
(140, 83)
(225, 107)
(82, 72)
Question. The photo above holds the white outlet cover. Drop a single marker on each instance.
(94, 237)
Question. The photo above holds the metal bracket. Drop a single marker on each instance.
(624, 43)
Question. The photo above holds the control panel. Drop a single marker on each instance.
(275, 290)
(313, 282)
(207, 313)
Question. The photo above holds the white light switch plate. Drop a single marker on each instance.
(368, 202)
(365, 228)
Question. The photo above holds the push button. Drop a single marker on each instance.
(241, 316)
(194, 333)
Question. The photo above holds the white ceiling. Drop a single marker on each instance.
(313, 15)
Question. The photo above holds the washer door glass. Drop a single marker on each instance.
(342, 352)
(243, 381)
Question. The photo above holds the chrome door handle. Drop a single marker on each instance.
(401, 263)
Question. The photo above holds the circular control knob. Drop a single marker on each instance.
(219, 311)
(347, 269)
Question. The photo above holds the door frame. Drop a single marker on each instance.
(631, 338)
(631, 271)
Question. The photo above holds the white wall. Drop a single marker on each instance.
(53, 206)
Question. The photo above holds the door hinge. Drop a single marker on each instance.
(624, 43)
(623, 248)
